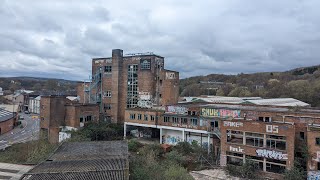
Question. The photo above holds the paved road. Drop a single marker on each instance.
(30, 131)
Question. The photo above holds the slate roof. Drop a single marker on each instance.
(5, 115)
(85, 160)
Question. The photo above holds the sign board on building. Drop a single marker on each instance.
(220, 112)
(232, 124)
(272, 129)
(271, 154)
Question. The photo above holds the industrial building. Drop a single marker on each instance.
(129, 81)
(58, 115)
(273, 135)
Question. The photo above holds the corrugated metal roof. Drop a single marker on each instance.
(279, 102)
(85, 160)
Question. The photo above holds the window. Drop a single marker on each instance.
(235, 137)
(146, 117)
(152, 118)
(139, 116)
(302, 135)
(194, 122)
(132, 88)
(108, 94)
(107, 106)
(318, 166)
(160, 95)
(108, 69)
(175, 120)
(160, 82)
(145, 64)
(275, 168)
(89, 118)
(254, 139)
(81, 119)
(234, 158)
(318, 141)
(184, 120)
(166, 119)
(132, 116)
(276, 142)
(267, 119)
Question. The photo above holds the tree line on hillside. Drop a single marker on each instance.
(302, 84)
(40, 86)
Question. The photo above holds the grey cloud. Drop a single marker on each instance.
(59, 38)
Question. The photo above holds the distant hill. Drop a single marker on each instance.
(42, 86)
(301, 83)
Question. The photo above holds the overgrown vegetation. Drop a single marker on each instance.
(32, 152)
(248, 170)
(98, 131)
(151, 162)
(296, 173)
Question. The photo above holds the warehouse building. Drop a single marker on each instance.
(129, 81)
(272, 135)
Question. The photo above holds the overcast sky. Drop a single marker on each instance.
(58, 38)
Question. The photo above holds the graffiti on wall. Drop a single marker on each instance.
(314, 175)
(236, 149)
(170, 75)
(232, 124)
(177, 109)
(172, 140)
(145, 100)
(250, 115)
(220, 112)
(271, 154)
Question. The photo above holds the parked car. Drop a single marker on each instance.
(26, 112)
(21, 117)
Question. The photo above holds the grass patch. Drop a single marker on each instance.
(32, 152)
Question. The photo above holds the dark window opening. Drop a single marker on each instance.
(260, 118)
(301, 135)
(318, 141)
(108, 69)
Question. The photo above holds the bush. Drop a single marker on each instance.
(176, 157)
(134, 145)
(98, 131)
(184, 148)
(246, 170)
(295, 174)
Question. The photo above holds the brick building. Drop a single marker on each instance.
(129, 81)
(272, 136)
(58, 114)
(7, 120)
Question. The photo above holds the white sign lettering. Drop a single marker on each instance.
(232, 124)
(271, 154)
(237, 149)
(272, 129)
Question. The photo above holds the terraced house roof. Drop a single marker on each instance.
(85, 160)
